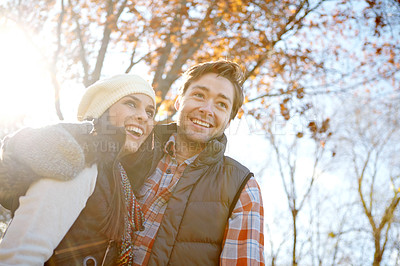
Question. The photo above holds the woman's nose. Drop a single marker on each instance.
(141, 115)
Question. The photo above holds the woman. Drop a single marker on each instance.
(57, 215)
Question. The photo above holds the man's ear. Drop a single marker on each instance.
(177, 103)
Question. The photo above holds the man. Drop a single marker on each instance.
(200, 207)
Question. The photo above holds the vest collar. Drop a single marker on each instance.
(212, 153)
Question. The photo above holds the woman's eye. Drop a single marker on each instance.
(131, 104)
(150, 114)
(199, 95)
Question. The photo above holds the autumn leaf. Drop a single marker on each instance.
(158, 97)
(240, 113)
(284, 111)
(313, 127)
(325, 126)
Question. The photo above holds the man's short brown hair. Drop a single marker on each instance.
(223, 68)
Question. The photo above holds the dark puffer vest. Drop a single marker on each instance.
(85, 243)
(193, 226)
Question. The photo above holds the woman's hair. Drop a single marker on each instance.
(113, 223)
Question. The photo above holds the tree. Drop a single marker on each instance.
(287, 48)
(371, 134)
(301, 151)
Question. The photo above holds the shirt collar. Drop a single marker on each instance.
(169, 149)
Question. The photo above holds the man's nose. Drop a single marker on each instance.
(207, 108)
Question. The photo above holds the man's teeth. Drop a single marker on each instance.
(201, 123)
(135, 130)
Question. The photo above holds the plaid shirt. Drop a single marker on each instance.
(244, 239)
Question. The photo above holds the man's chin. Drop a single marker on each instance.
(198, 138)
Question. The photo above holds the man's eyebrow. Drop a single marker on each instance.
(208, 90)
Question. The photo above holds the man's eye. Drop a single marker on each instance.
(223, 105)
(199, 95)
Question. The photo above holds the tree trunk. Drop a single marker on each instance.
(378, 251)
(294, 216)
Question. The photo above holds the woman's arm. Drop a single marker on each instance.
(44, 216)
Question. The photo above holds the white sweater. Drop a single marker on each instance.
(44, 216)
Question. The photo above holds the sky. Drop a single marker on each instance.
(24, 90)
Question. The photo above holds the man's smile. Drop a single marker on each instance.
(201, 123)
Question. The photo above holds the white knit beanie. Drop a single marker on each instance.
(104, 93)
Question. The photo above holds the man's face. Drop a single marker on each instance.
(204, 110)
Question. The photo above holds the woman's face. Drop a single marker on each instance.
(135, 112)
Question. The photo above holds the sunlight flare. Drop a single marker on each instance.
(26, 93)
